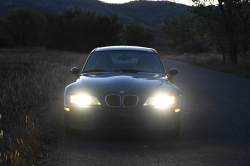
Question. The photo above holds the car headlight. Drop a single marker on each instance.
(160, 101)
(84, 100)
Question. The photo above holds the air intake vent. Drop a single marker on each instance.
(113, 100)
(130, 100)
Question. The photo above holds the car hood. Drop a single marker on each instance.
(113, 83)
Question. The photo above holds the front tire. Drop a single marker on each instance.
(175, 132)
(67, 127)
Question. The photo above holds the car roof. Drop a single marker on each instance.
(126, 48)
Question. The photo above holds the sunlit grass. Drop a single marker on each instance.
(31, 100)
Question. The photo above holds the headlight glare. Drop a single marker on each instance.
(84, 100)
(160, 101)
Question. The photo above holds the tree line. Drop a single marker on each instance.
(224, 28)
(72, 30)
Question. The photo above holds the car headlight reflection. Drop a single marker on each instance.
(160, 101)
(84, 100)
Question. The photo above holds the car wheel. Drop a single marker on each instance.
(68, 129)
(175, 132)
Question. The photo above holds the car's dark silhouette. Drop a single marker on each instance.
(123, 87)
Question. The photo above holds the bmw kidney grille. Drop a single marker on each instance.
(130, 100)
(113, 100)
(127, 101)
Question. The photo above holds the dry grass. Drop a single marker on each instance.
(32, 87)
(215, 62)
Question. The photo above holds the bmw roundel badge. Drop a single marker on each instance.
(121, 92)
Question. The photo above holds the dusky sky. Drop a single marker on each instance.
(186, 2)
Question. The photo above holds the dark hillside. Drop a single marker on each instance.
(149, 13)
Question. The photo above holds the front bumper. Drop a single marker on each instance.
(146, 118)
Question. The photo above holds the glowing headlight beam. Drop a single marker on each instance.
(164, 100)
(160, 101)
(84, 100)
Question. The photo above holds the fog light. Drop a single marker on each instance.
(177, 110)
(66, 109)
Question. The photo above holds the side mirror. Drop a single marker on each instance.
(75, 71)
(172, 72)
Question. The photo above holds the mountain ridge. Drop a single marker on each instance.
(149, 13)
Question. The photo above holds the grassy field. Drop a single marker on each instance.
(214, 62)
(31, 100)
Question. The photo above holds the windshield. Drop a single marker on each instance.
(124, 61)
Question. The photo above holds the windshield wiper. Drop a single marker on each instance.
(94, 70)
(128, 70)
